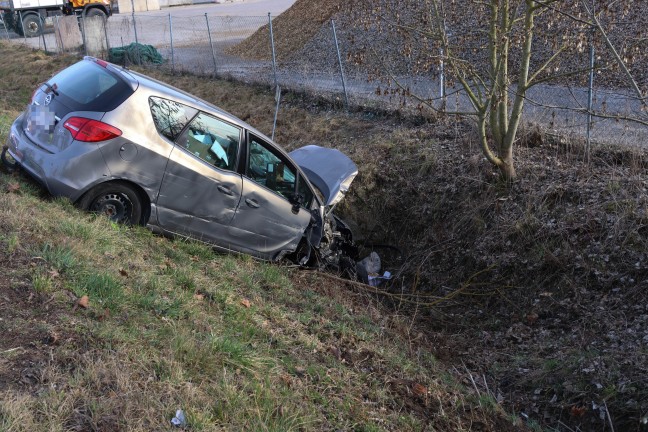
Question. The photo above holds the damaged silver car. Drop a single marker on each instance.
(141, 152)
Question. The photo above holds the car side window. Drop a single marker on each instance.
(212, 140)
(170, 117)
(267, 168)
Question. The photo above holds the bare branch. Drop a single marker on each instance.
(544, 66)
(618, 58)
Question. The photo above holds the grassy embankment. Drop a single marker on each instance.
(237, 344)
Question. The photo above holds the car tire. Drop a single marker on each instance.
(118, 201)
(32, 25)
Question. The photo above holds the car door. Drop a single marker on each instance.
(266, 222)
(201, 189)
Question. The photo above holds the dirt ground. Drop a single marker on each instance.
(539, 287)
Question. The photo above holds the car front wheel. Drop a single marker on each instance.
(118, 201)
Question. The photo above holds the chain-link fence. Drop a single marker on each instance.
(345, 62)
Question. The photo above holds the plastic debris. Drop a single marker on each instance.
(371, 263)
(179, 420)
(377, 280)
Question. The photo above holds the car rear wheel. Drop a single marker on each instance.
(118, 201)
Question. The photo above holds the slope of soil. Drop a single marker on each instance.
(532, 294)
(378, 47)
(291, 30)
(540, 286)
(536, 290)
(111, 328)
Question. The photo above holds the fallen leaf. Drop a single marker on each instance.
(52, 338)
(246, 303)
(13, 187)
(336, 352)
(287, 380)
(123, 272)
(84, 301)
(577, 411)
(53, 274)
(419, 390)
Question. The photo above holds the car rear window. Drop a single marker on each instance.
(86, 86)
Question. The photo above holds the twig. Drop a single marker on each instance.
(11, 350)
(487, 389)
(473, 383)
(608, 416)
(462, 290)
(564, 425)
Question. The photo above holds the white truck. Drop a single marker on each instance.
(28, 17)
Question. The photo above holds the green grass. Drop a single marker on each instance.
(169, 325)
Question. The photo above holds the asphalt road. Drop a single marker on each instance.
(238, 8)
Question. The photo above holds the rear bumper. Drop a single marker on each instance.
(23, 154)
(68, 173)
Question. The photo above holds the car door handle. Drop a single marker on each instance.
(225, 190)
(252, 203)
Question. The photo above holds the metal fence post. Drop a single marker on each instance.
(339, 57)
(211, 43)
(278, 100)
(22, 25)
(274, 58)
(57, 35)
(442, 77)
(105, 23)
(134, 23)
(171, 35)
(6, 29)
(43, 34)
(83, 27)
(590, 91)
(442, 89)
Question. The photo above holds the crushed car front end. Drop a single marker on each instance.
(331, 172)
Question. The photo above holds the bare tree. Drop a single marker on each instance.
(495, 50)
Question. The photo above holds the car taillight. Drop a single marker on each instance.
(88, 130)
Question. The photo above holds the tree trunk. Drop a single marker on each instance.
(506, 167)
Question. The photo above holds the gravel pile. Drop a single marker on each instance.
(370, 47)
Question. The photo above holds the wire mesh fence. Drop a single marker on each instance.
(342, 61)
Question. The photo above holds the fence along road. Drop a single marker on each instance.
(200, 43)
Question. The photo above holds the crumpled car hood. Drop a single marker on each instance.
(329, 170)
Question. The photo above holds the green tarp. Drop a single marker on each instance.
(135, 53)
